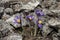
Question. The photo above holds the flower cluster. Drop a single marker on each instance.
(31, 18)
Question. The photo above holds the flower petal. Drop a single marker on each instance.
(40, 25)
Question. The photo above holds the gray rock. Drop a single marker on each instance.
(46, 30)
(54, 22)
(14, 37)
(9, 10)
(1, 9)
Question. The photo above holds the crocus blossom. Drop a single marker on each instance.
(30, 17)
(39, 23)
(39, 12)
(17, 19)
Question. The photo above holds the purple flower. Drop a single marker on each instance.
(30, 17)
(39, 24)
(17, 19)
(39, 12)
